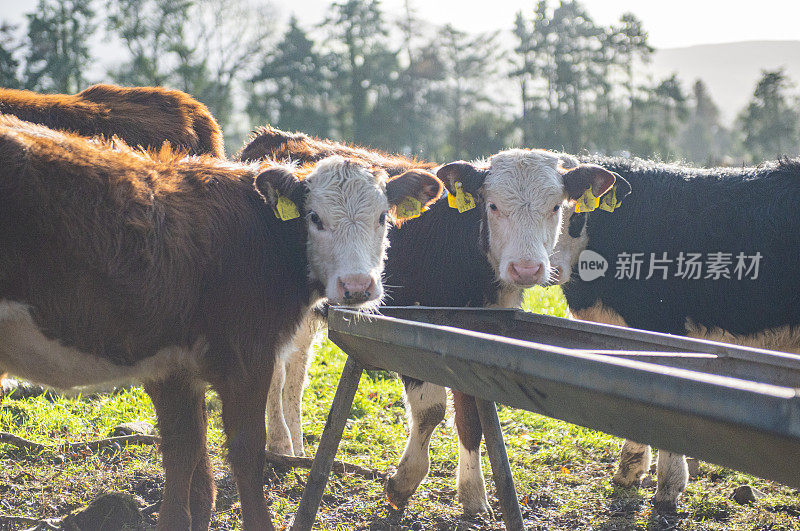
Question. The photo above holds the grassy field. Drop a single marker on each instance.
(562, 472)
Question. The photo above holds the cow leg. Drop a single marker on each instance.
(634, 463)
(426, 409)
(673, 476)
(244, 398)
(189, 492)
(469, 481)
(203, 492)
(279, 439)
(296, 370)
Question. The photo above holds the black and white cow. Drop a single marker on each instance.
(718, 251)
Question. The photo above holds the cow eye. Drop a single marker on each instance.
(555, 208)
(382, 219)
(315, 220)
(493, 207)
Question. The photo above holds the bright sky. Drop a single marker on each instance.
(672, 23)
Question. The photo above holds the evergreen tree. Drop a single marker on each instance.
(629, 46)
(291, 86)
(418, 88)
(152, 31)
(470, 64)
(58, 50)
(769, 122)
(704, 138)
(9, 63)
(367, 64)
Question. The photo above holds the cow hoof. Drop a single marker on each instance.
(624, 481)
(479, 507)
(397, 498)
(280, 447)
(665, 506)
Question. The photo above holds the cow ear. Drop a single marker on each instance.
(623, 189)
(279, 186)
(585, 176)
(470, 177)
(418, 184)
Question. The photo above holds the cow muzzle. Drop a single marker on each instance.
(356, 289)
(526, 273)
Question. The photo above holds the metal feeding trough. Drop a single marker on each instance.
(729, 405)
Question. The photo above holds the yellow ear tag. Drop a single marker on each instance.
(462, 200)
(609, 200)
(409, 208)
(285, 209)
(587, 202)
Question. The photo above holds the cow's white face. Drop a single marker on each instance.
(346, 207)
(347, 213)
(523, 193)
(523, 198)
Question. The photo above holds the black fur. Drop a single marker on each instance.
(673, 209)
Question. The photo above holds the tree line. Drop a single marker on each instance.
(555, 80)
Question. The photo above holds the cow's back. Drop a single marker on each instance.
(140, 116)
(677, 210)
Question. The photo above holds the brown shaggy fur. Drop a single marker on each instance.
(121, 255)
(140, 116)
(270, 143)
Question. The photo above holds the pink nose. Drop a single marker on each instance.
(356, 288)
(525, 272)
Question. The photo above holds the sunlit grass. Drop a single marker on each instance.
(562, 471)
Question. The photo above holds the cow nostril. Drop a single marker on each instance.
(346, 294)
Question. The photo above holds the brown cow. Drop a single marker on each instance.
(140, 116)
(177, 271)
(483, 254)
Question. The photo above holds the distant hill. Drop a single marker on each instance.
(729, 70)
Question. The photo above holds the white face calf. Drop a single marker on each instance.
(346, 207)
(523, 193)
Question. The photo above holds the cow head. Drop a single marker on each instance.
(574, 237)
(346, 206)
(522, 194)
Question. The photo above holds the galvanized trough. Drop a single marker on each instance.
(730, 405)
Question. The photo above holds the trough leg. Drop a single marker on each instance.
(501, 470)
(328, 444)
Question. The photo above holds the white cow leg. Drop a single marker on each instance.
(279, 440)
(296, 370)
(426, 405)
(469, 480)
(673, 476)
(634, 463)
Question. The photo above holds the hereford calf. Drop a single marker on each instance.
(116, 266)
(140, 116)
(675, 217)
(484, 253)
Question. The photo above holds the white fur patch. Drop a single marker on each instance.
(349, 200)
(470, 484)
(27, 353)
(527, 190)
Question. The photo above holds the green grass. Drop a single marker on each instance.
(562, 471)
